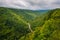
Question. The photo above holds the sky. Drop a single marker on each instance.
(31, 4)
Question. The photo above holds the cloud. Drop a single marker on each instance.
(31, 4)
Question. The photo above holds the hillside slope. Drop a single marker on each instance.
(11, 25)
(50, 30)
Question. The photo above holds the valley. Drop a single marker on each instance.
(20, 24)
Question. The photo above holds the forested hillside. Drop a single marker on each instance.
(49, 30)
(20, 24)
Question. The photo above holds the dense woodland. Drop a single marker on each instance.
(44, 25)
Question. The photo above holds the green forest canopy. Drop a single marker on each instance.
(14, 24)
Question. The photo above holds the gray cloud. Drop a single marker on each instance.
(31, 4)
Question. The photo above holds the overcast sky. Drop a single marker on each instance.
(31, 4)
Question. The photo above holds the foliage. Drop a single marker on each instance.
(14, 24)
